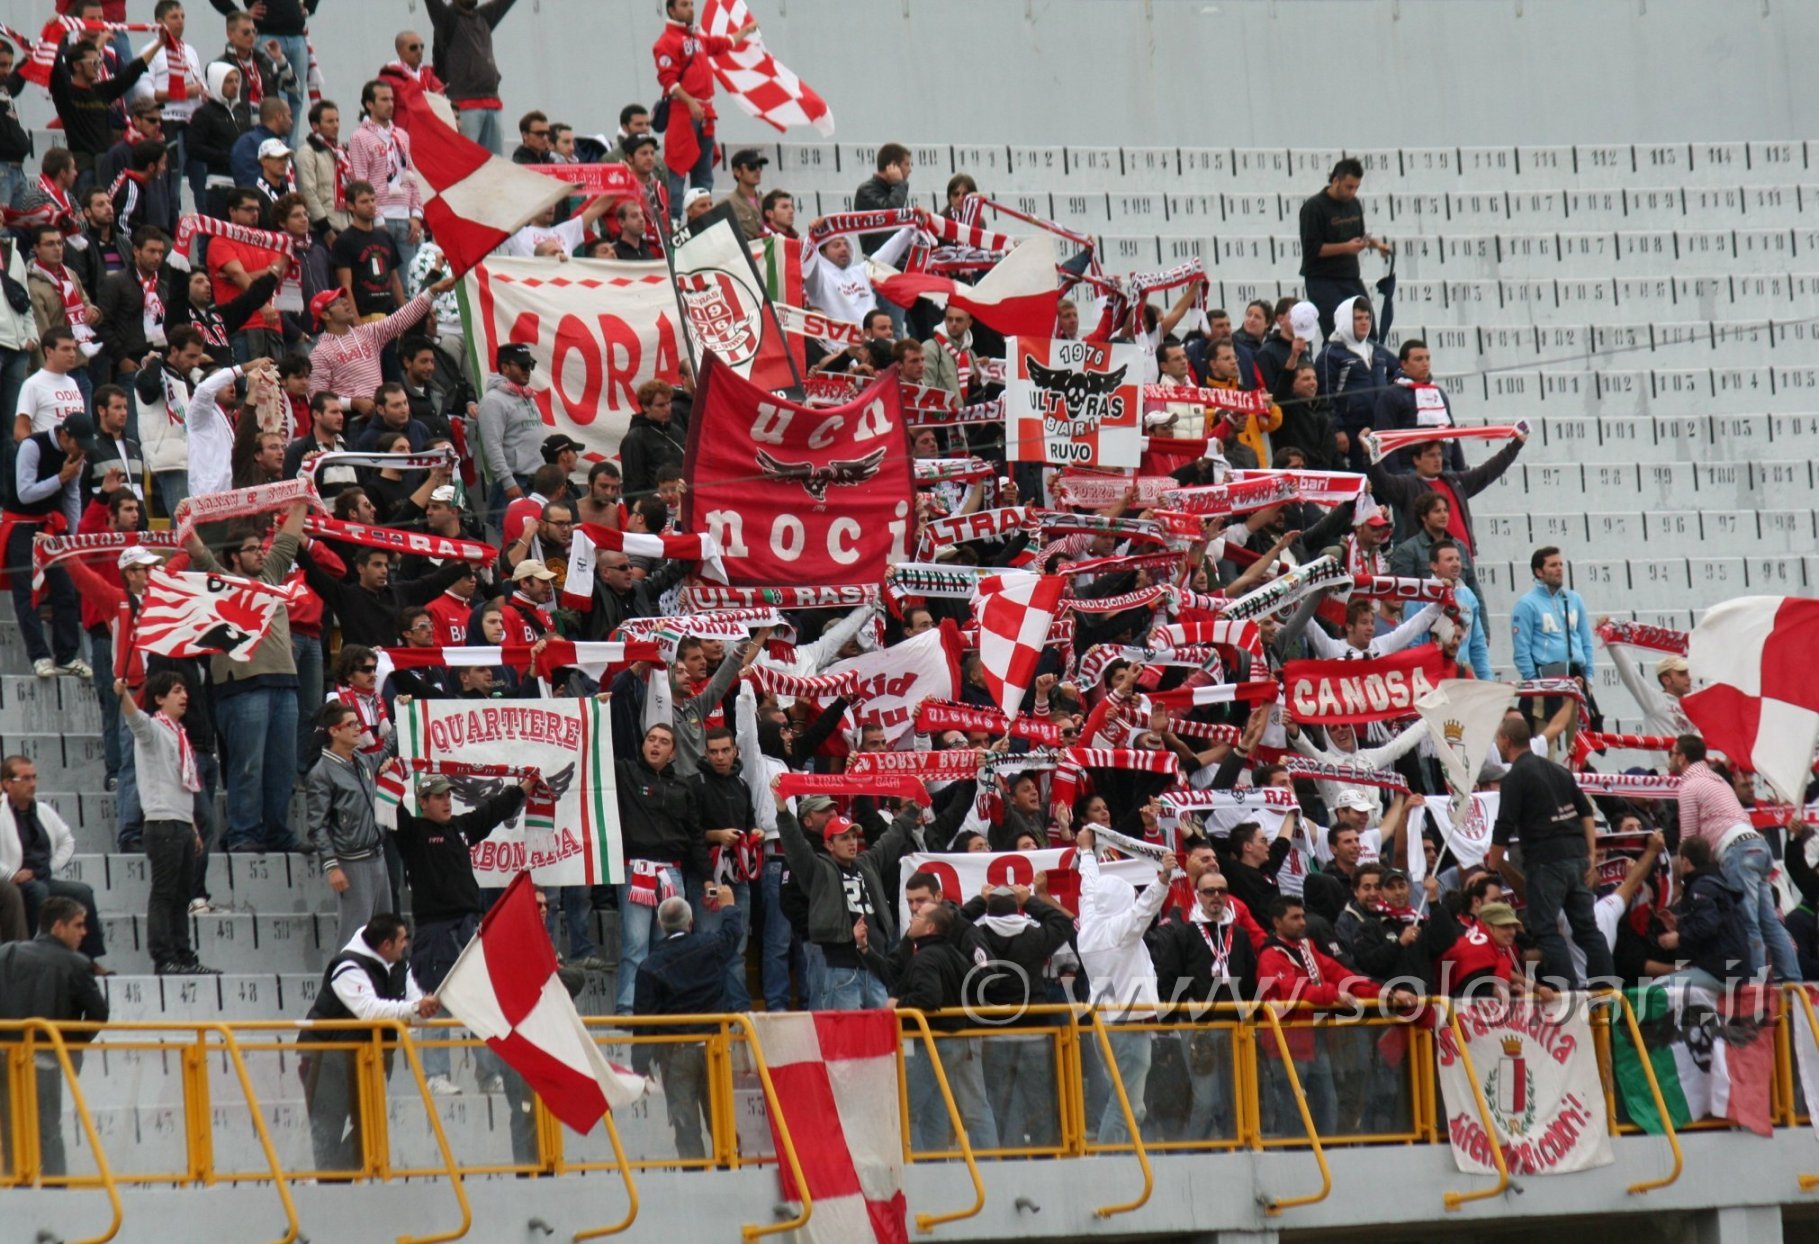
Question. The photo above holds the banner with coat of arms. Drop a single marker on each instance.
(1073, 403)
(1538, 1072)
(723, 296)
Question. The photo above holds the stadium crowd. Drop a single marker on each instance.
(137, 383)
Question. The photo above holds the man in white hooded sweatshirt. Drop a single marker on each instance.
(835, 276)
(1113, 920)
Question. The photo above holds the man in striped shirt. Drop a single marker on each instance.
(345, 360)
(1710, 810)
(380, 154)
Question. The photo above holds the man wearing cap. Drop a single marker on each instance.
(686, 74)
(748, 170)
(1483, 948)
(345, 358)
(697, 203)
(533, 588)
(47, 499)
(850, 916)
(511, 428)
(1660, 704)
(446, 903)
(1294, 335)
(563, 451)
(276, 179)
(1335, 884)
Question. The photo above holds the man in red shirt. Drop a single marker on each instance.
(232, 267)
(687, 79)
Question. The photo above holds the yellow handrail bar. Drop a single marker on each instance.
(1654, 1088)
(1812, 1026)
(928, 1222)
(1130, 1120)
(291, 1226)
(409, 1047)
(631, 1189)
(752, 1231)
(1275, 1206)
(103, 1171)
(1453, 1200)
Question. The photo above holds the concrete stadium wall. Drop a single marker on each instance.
(1234, 73)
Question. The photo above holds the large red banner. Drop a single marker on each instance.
(798, 494)
(1361, 691)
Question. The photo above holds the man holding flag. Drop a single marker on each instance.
(686, 74)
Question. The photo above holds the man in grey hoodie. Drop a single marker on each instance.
(511, 430)
(344, 827)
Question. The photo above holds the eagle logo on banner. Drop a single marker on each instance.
(722, 313)
(192, 614)
(1089, 397)
(816, 480)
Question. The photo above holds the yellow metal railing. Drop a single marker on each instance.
(1252, 1045)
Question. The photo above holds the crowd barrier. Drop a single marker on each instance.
(236, 1118)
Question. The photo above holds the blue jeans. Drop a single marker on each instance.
(12, 186)
(738, 997)
(930, 1128)
(101, 657)
(814, 977)
(1554, 887)
(1131, 1051)
(1021, 1074)
(208, 769)
(66, 613)
(779, 939)
(296, 51)
(172, 488)
(407, 249)
(1746, 866)
(260, 729)
(637, 923)
(129, 813)
(434, 949)
(306, 652)
(577, 908)
(1316, 1075)
(850, 989)
(15, 366)
(1208, 1056)
(481, 125)
(702, 174)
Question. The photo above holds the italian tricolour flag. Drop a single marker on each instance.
(1713, 1057)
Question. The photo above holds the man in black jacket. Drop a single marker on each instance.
(940, 974)
(446, 905)
(49, 978)
(1458, 487)
(735, 850)
(369, 606)
(660, 824)
(1710, 933)
(1255, 861)
(82, 100)
(1020, 932)
(685, 974)
(121, 300)
(1197, 960)
(885, 190)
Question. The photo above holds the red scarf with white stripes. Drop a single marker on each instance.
(186, 758)
(963, 360)
(370, 711)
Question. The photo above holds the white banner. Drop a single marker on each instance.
(598, 328)
(1073, 403)
(1470, 839)
(1462, 716)
(965, 874)
(570, 745)
(1538, 1072)
(894, 681)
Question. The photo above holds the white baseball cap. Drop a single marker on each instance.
(138, 555)
(1355, 799)
(272, 148)
(1304, 322)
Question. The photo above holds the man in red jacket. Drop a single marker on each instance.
(1291, 970)
(687, 79)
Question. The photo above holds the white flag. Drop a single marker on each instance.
(1462, 716)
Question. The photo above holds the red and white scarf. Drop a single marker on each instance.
(1347, 775)
(963, 359)
(191, 225)
(710, 597)
(186, 756)
(934, 716)
(243, 503)
(1640, 635)
(1629, 785)
(252, 83)
(152, 316)
(54, 550)
(1382, 444)
(75, 311)
(1240, 497)
(370, 710)
(833, 785)
(652, 881)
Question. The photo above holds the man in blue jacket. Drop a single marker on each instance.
(1550, 629)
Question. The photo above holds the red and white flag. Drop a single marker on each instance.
(191, 614)
(757, 81)
(590, 538)
(831, 1070)
(472, 199)
(1760, 706)
(593, 658)
(504, 987)
(1015, 612)
(1017, 297)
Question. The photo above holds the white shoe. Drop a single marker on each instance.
(44, 667)
(493, 1084)
(200, 907)
(79, 668)
(442, 1086)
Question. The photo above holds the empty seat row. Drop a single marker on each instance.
(1615, 487)
(1563, 436)
(1613, 580)
(1610, 392)
(237, 942)
(271, 884)
(1428, 168)
(1656, 343)
(29, 704)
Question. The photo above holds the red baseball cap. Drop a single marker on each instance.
(322, 302)
(836, 825)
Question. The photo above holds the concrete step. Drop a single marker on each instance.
(260, 884)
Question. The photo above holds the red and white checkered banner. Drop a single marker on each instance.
(934, 716)
(1629, 785)
(1098, 491)
(1317, 487)
(1302, 768)
(757, 81)
(953, 765)
(1381, 444)
(1234, 498)
(1355, 692)
(1640, 635)
(1014, 611)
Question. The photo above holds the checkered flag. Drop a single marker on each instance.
(762, 84)
(1015, 612)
